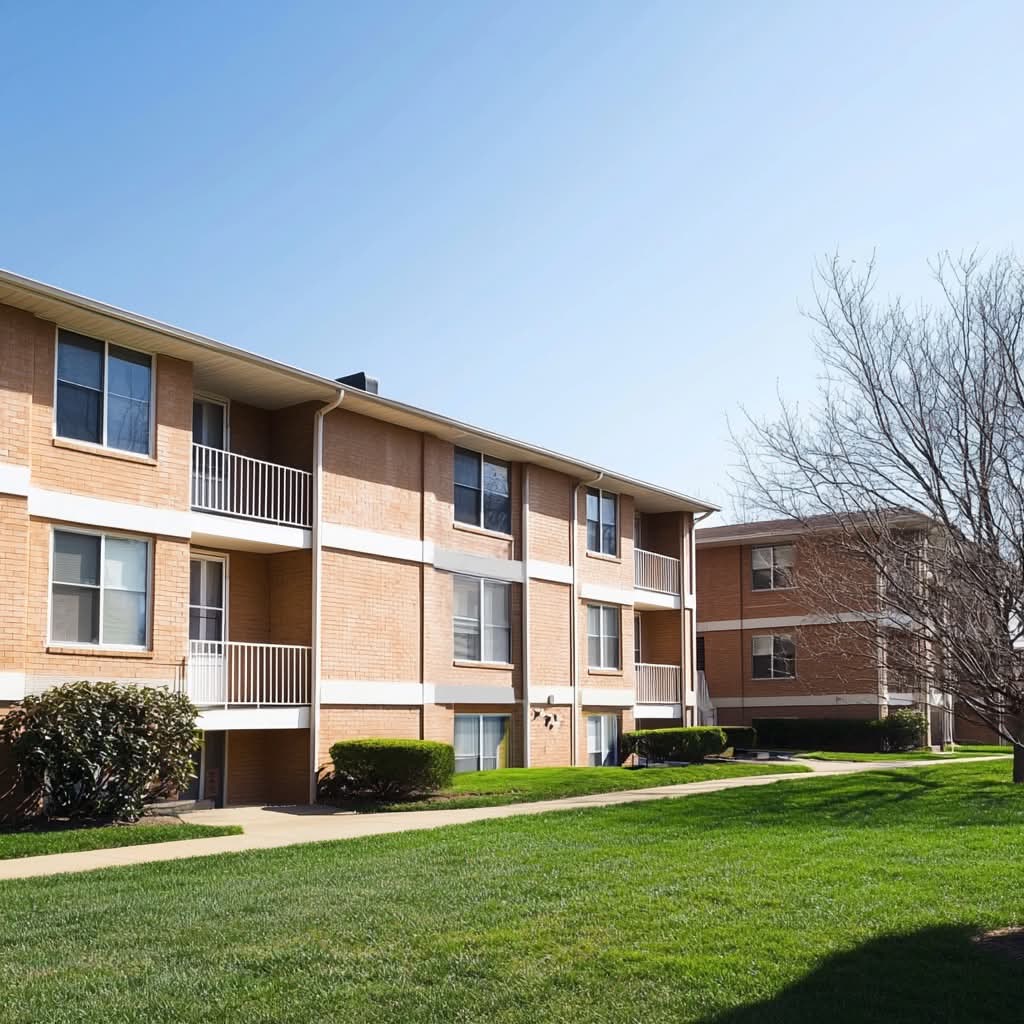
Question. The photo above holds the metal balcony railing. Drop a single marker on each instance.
(237, 485)
(228, 674)
(656, 572)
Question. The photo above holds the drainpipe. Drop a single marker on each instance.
(525, 624)
(318, 560)
(574, 591)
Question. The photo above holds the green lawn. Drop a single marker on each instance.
(983, 748)
(73, 840)
(910, 755)
(524, 785)
(849, 899)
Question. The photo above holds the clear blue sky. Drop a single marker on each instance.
(591, 226)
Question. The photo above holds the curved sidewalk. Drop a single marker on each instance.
(269, 827)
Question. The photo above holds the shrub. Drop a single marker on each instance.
(389, 767)
(740, 736)
(692, 743)
(903, 729)
(102, 750)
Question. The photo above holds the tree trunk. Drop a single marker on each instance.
(1018, 763)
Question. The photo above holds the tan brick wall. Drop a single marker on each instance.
(19, 334)
(338, 722)
(248, 597)
(14, 581)
(162, 482)
(249, 431)
(550, 740)
(550, 612)
(169, 600)
(291, 600)
(550, 509)
(661, 637)
(439, 648)
(439, 507)
(268, 766)
(371, 618)
(372, 476)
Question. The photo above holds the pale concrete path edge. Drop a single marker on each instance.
(270, 827)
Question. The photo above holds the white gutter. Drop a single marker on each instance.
(525, 618)
(574, 675)
(318, 561)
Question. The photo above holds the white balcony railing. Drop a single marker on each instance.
(237, 485)
(656, 572)
(658, 684)
(228, 674)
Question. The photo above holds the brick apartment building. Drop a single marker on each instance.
(768, 649)
(310, 561)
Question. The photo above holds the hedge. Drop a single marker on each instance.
(901, 730)
(740, 736)
(390, 767)
(692, 743)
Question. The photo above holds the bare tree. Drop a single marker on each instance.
(914, 450)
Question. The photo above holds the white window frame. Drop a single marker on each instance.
(772, 637)
(601, 495)
(225, 403)
(481, 623)
(604, 719)
(81, 644)
(638, 646)
(601, 635)
(481, 459)
(480, 734)
(772, 548)
(102, 445)
(212, 556)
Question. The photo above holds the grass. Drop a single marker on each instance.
(983, 748)
(525, 785)
(74, 840)
(851, 899)
(910, 755)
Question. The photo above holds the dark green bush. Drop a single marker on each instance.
(903, 729)
(740, 736)
(863, 735)
(691, 743)
(101, 750)
(390, 767)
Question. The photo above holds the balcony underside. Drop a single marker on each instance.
(233, 533)
(214, 719)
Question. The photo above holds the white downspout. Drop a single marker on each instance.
(526, 614)
(318, 561)
(574, 673)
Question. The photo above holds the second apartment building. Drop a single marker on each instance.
(310, 561)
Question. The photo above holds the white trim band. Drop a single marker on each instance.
(721, 625)
(14, 479)
(114, 515)
(817, 700)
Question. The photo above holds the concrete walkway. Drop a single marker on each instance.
(267, 827)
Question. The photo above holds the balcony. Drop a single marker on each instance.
(238, 675)
(236, 485)
(655, 572)
(658, 684)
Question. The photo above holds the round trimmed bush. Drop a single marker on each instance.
(689, 743)
(390, 767)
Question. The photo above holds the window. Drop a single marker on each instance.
(481, 620)
(603, 636)
(206, 599)
(774, 657)
(637, 646)
(481, 742)
(602, 740)
(602, 522)
(103, 393)
(100, 591)
(700, 654)
(772, 567)
(482, 494)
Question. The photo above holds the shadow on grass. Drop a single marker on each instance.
(933, 976)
